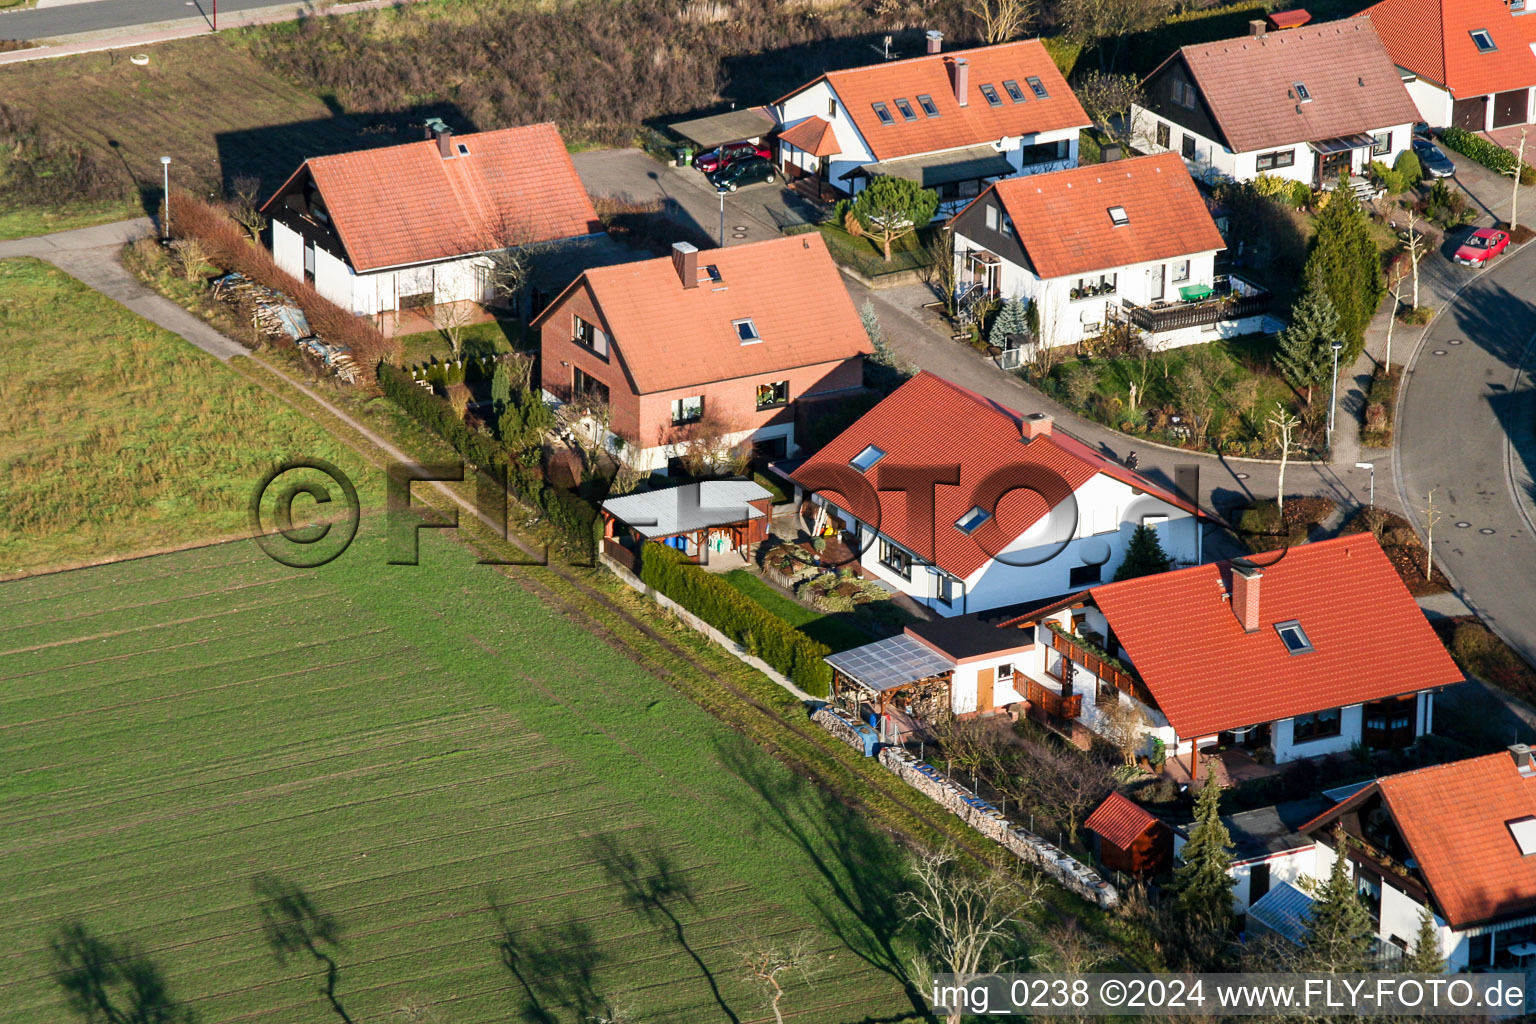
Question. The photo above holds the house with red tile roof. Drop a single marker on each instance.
(1457, 839)
(409, 226)
(1130, 240)
(1291, 654)
(952, 122)
(1467, 63)
(1307, 104)
(967, 505)
(702, 350)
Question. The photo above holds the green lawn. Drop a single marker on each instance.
(117, 436)
(29, 221)
(485, 339)
(833, 630)
(413, 747)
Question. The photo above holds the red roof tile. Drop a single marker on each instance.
(1289, 19)
(1120, 821)
(406, 204)
(1369, 638)
(929, 421)
(956, 127)
(1433, 39)
(1062, 218)
(814, 135)
(668, 336)
(1249, 85)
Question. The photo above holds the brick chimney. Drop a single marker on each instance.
(685, 259)
(1522, 755)
(935, 40)
(1245, 594)
(1036, 424)
(438, 129)
(960, 78)
(1257, 27)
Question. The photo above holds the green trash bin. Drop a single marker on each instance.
(684, 156)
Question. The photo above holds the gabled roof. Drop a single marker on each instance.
(814, 135)
(687, 508)
(929, 421)
(956, 126)
(1433, 39)
(1455, 819)
(1249, 85)
(1369, 639)
(1063, 222)
(668, 336)
(406, 204)
(1120, 821)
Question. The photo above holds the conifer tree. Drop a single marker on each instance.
(1144, 556)
(1345, 264)
(1340, 932)
(1013, 318)
(1305, 353)
(1426, 957)
(501, 395)
(1201, 886)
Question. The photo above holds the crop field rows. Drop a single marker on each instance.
(504, 815)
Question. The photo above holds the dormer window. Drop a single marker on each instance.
(866, 458)
(746, 330)
(989, 93)
(968, 523)
(926, 102)
(883, 112)
(1294, 637)
(1301, 92)
(1483, 40)
(1014, 92)
(1037, 87)
(907, 113)
(1118, 217)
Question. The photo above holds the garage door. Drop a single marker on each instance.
(1470, 114)
(1509, 108)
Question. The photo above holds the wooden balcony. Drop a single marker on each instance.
(1230, 300)
(1080, 654)
(1051, 702)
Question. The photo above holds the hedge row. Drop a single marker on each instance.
(1490, 154)
(226, 244)
(739, 617)
(576, 519)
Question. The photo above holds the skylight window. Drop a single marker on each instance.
(866, 458)
(712, 272)
(1014, 92)
(1294, 636)
(1301, 92)
(975, 517)
(463, 150)
(1037, 87)
(991, 96)
(926, 102)
(883, 112)
(746, 330)
(1483, 40)
(1118, 216)
(906, 109)
(1524, 831)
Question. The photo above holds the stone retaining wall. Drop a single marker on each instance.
(990, 822)
(846, 728)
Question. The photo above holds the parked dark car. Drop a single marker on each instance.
(724, 156)
(1422, 130)
(1435, 163)
(743, 172)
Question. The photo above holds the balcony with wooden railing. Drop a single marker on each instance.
(1051, 702)
(1082, 654)
(1227, 299)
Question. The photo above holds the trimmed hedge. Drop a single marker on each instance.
(739, 617)
(576, 519)
(1489, 154)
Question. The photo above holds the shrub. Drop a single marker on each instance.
(733, 613)
(1409, 171)
(1260, 518)
(1489, 154)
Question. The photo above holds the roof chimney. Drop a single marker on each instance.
(1036, 424)
(438, 129)
(1522, 755)
(1257, 27)
(685, 259)
(960, 77)
(1245, 594)
(935, 40)
(1110, 152)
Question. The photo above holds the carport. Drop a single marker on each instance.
(749, 125)
(958, 175)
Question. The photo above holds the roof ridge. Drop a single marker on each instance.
(943, 54)
(370, 150)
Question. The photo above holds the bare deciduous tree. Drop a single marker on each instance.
(1002, 20)
(942, 272)
(244, 206)
(1107, 23)
(450, 319)
(1122, 724)
(770, 964)
(192, 256)
(1107, 99)
(585, 419)
(1285, 425)
(1054, 780)
(712, 445)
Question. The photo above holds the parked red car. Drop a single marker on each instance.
(1481, 246)
(715, 159)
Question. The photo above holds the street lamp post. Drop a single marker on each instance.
(1372, 467)
(1333, 392)
(721, 193)
(165, 227)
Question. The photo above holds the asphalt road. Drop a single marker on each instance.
(1467, 429)
(106, 15)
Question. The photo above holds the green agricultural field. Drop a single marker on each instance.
(507, 817)
(118, 437)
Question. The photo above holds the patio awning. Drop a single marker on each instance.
(1342, 144)
(933, 169)
(688, 507)
(889, 664)
(731, 126)
(1284, 910)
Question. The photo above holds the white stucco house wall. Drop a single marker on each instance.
(1128, 241)
(953, 122)
(1303, 104)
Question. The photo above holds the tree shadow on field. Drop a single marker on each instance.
(555, 965)
(654, 888)
(102, 981)
(864, 870)
(292, 923)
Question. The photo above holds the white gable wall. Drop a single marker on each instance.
(812, 102)
(1433, 101)
(287, 250)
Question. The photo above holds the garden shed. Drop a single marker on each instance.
(696, 518)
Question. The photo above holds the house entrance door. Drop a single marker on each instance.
(1331, 166)
(1155, 283)
(984, 680)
